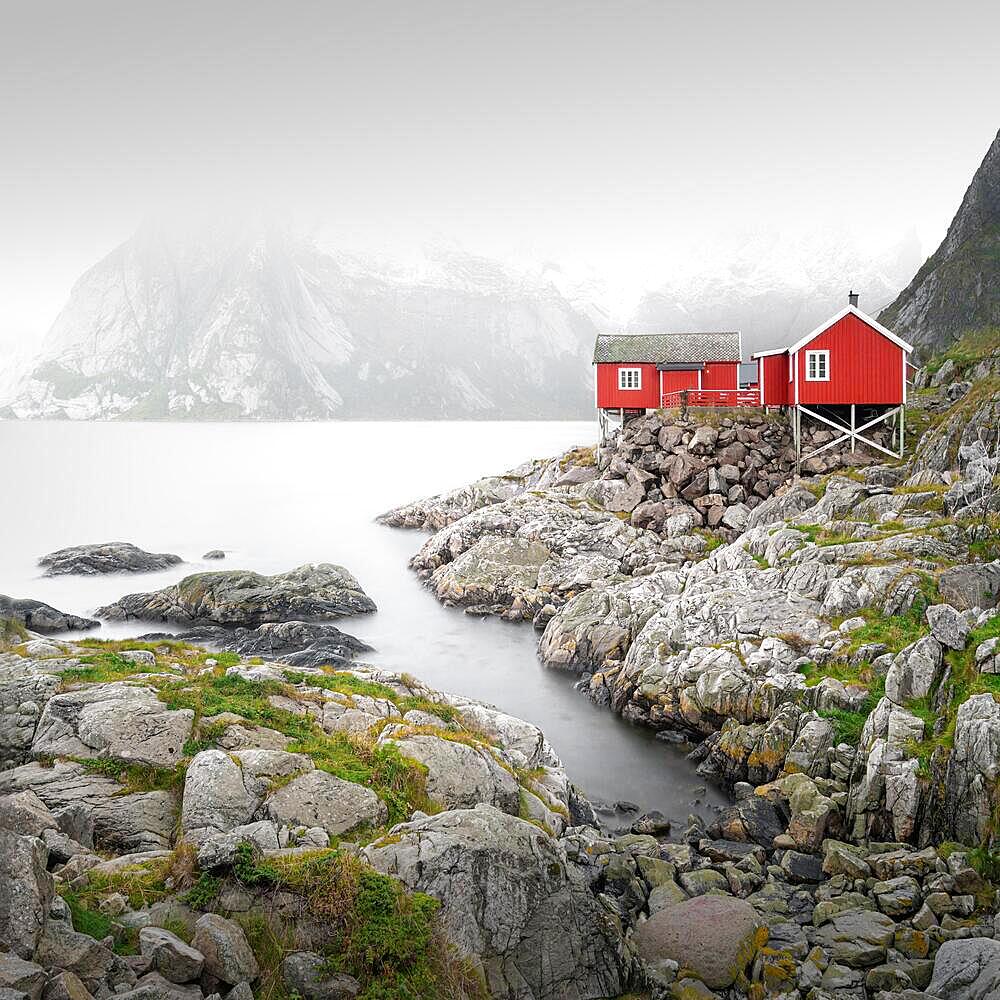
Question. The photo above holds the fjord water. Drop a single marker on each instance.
(274, 496)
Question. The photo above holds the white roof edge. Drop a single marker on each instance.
(864, 317)
(767, 354)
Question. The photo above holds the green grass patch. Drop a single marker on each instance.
(712, 540)
(343, 683)
(12, 632)
(381, 934)
(822, 536)
(136, 777)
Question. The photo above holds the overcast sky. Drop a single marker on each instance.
(612, 133)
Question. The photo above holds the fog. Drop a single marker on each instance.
(612, 139)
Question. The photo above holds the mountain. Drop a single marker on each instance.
(958, 288)
(255, 323)
(774, 287)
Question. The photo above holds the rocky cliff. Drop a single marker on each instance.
(958, 288)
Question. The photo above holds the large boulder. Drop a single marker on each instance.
(492, 571)
(321, 799)
(106, 557)
(973, 768)
(133, 822)
(25, 893)
(118, 720)
(241, 597)
(510, 901)
(460, 776)
(948, 626)
(171, 957)
(967, 970)
(714, 937)
(857, 937)
(24, 979)
(41, 617)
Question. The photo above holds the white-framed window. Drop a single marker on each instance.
(629, 378)
(817, 366)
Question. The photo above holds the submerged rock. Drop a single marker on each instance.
(106, 557)
(41, 617)
(242, 597)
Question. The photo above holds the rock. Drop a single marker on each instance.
(61, 947)
(782, 507)
(66, 986)
(973, 767)
(215, 797)
(461, 776)
(491, 571)
(240, 597)
(41, 617)
(715, 937)
(857, 938)
(108, 557)
(25, 893)
(510, 900)
(214, 554)
(21, 976)
(25, 813)
(225, 949)
(219, 850)
(949, 627)
(975, 585)
(118, 720)
(653, 822)
(913, 671)
(966, 970)
(172, 958)
(321, 799)
(898, 897)
(137, 821)
(302, 972)
(296, 643)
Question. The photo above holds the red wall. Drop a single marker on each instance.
(720, 375)
(865, 367)
(774, 374)
(609, 396)
(673, 381)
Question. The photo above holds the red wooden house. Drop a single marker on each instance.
(644, 371)
(847, 367)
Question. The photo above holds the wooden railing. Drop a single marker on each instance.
(710, 397)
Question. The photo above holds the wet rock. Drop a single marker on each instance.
(41, 617)
(240, 597)
(108, 557)
(716, 937)
(297, 643)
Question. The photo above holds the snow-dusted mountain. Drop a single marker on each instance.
(259, 324)
(774, 287)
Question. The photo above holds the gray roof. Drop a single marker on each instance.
(667, 348)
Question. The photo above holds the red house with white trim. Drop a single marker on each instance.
(850, 360)
(644, 371)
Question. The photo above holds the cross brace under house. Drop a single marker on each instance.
(851, 431)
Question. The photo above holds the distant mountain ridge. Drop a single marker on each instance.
(958, 288)
(260, 325)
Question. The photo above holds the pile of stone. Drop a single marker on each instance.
(712, 471)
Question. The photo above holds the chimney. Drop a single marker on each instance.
(852, 298)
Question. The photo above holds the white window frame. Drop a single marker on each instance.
(822, 359)
(625, 377)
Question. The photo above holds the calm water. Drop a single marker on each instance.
(275, 496)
